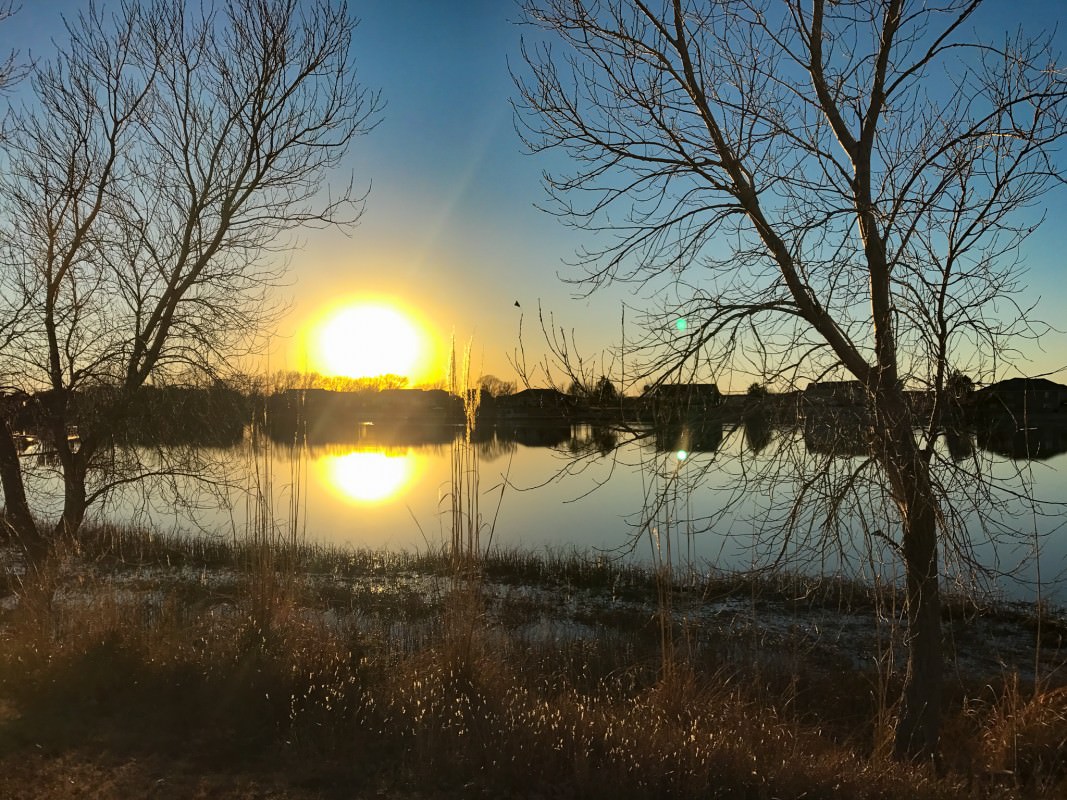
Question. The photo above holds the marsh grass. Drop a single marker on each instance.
(1023, 734)
(465, 490)
(389, 674)
(270, 559)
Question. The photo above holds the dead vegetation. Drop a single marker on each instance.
(381, 675)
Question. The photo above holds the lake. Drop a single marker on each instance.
(705, 497)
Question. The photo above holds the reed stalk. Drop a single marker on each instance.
(465, 484)
(272, 560)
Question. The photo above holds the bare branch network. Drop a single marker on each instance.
(818, 190)
(152, 182)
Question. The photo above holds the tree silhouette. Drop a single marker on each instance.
(164, 162)
(496, 387)
(604, 390)
(835, 189)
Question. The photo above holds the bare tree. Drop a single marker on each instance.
(149, 193)
(826, 188)
(495, 387)
(11, 71)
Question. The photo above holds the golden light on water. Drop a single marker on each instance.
(368, 477)
(368, 339)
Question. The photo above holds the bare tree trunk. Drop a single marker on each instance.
(38, 581)
(74, 499)
(41, 550)
(17, 514)
(918, 727)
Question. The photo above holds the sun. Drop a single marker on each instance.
(367, 340)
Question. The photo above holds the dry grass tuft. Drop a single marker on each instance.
(1023, 737)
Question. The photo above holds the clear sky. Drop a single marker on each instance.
(450, 233)
(450, 229)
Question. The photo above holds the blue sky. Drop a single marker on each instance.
(450, 230)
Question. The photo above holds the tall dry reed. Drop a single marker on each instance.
(272, 543)
(465, 477)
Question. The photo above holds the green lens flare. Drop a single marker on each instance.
(681, 324)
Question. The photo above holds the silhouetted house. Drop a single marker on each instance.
(533, 404)
(415, 405)
(1022, 396)
(333, 416)
(702, 394)
(317, 415)
(671, 402)
(834, 393)
(313, 401)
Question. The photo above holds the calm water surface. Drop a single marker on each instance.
(702, 499)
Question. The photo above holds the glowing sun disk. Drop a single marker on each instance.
(366, 341)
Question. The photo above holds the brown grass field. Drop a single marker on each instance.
(171, 670)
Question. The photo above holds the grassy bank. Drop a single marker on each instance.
(172, 670)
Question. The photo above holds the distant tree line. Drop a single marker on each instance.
(290, 379)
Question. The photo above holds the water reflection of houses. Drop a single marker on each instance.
(842, 432)
(1032, 442)
(833, 394)
(696, 436)
(593, 438)
(836, 419)
(404, 433)
(541, 434)
(490, 443)
(960, 442)
(759, 429)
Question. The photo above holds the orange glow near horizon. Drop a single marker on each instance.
(368, 477)
(365, 339)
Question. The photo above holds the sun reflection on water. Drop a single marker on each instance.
(368, 476)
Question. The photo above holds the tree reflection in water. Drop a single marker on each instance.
(590, 486)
